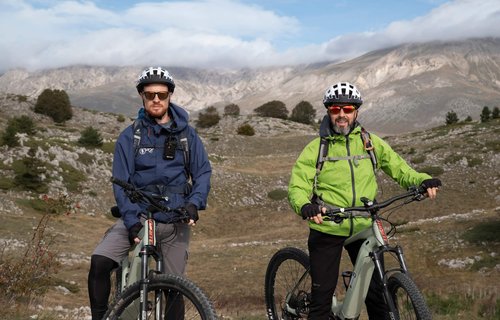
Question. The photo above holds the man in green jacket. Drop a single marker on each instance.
(347, 175)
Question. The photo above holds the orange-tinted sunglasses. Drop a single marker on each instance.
(336, 109)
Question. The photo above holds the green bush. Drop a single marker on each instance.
(272, 109)
(9, 138)
(484, 232)
(232, 110)
(90, 137)
(451, 117)
(208, 118)
(303, 112)
(22, 124)
(485, 114)
(277, 194)
(120, 118)
(55, 104)
(473, 162)
(246, 130)
(28, 173)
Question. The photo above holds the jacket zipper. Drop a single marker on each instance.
(351, 229)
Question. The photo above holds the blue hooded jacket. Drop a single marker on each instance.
(147, 167)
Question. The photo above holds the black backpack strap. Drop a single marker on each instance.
(367, 143)
(322, 153)
(183, 139)
(137, 126)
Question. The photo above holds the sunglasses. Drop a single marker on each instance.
(151, 95)
(336, 109)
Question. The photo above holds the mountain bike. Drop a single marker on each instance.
(288, 282)
(143, 291)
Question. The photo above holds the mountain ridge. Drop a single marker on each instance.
(405, 88)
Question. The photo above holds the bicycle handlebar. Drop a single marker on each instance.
(137, 195)
(416, 193)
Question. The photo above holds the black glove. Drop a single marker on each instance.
(310, 210)
(133, 232)
(431, 183)
(192, 212)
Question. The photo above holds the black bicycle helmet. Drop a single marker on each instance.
(155, 75)
(341, 93)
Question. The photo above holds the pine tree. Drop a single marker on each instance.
(485, 114)
(303, 112)
(451, 117)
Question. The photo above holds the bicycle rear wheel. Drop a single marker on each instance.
(169, 297)
(408, 300)
(288, 285)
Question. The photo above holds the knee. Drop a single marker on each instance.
(101, 265)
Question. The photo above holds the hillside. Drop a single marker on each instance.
(406, 88)
(244, 226)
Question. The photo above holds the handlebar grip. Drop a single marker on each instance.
(122, 184)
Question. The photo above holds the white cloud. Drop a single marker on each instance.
(204, 33)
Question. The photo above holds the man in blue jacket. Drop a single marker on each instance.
(149, 154)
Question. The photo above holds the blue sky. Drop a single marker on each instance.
(39, 34)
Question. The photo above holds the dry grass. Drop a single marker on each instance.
(232, 245)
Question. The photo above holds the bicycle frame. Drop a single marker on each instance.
(369, 259)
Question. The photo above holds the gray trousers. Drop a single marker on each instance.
(173, 239)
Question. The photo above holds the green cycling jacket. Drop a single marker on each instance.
(342, 183)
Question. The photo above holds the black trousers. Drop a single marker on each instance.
(325, 252)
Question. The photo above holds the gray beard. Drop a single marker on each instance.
(343, 131)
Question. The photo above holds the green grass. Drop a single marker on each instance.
(483, 232)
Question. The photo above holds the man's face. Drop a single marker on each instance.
(342, 117)
(154, 105)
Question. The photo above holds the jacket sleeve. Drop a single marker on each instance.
(395, 166)
(123, 168)
(300, 187)
(201, 172)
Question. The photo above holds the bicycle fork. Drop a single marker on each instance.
(377, 257)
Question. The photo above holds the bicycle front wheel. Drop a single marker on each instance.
(169, 297)
(408, 300)
(288, 285)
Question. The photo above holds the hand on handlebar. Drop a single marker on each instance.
(312, 212)
(432, 187)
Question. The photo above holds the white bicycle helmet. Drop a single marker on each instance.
(341, 93)
(155, 75)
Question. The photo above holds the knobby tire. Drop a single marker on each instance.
(194, 305)
(283, 273)
(407, 298)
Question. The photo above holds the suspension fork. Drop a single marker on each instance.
(377, 257)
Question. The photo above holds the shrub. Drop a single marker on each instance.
(90, 137)
(451, 117)
(303, 112)
(55, 104)
(29, 172)
(232, 110)
(22, 124)
(277, 194)
(272, 109)
(120, 118)
(468, 119)
(495, 114)
(485, 114)
(483, 232)
(27, 276)
(9, 138)
(246, 130)
(209, 118)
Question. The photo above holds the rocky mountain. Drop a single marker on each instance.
(405, 88)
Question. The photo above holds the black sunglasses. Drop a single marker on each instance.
(151, 95)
